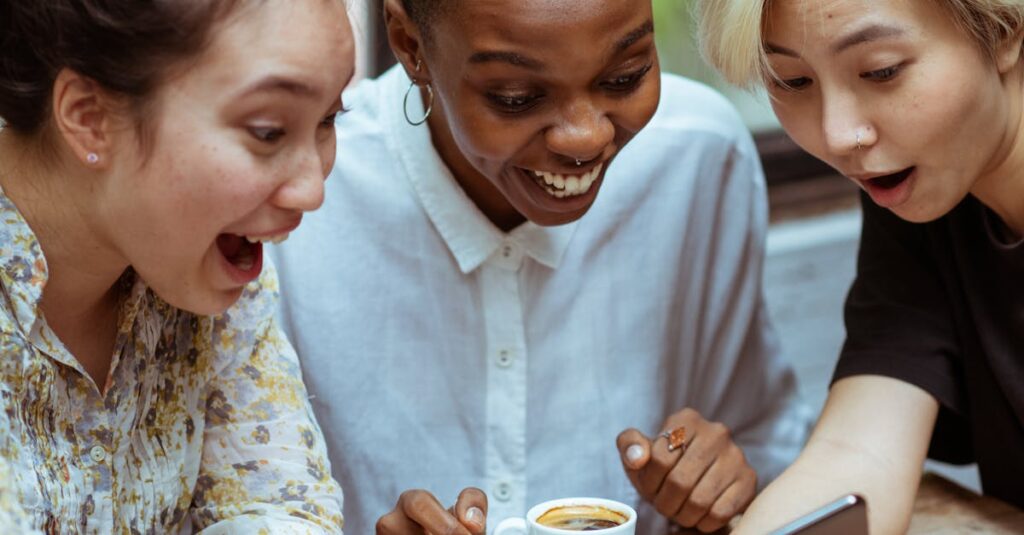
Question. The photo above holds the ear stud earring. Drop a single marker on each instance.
(92, 158)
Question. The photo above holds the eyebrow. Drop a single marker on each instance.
(632, 37)
(520, 60)
(875, 32)
(279, 83)
(512, 58)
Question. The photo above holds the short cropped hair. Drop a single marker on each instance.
(731, 32)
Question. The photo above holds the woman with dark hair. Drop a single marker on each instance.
(502, 325)
(149, 149)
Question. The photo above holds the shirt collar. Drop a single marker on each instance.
(23, 270)
(469, 235)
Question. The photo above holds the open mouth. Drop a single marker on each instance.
(891, 181)
(240, 252)
(562, 186)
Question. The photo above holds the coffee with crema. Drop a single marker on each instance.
(581, 518)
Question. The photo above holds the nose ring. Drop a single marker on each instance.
(858, 141)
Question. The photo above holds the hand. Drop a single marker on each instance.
(419, 513)
(702, 485)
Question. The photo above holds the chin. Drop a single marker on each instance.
(206, 303)
(549, 219)
(925, 211)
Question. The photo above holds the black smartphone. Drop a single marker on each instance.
(846, 516)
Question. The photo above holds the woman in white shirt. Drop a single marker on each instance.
(148, 149)
(473, 313)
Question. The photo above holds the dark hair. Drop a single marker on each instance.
(124, 45)
(425, 12)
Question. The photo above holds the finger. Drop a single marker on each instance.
(732, 502)
(700, 453)
(729, 467)
(423, 508)
(471, 510)
(634, 449)
(396, 523)
(662, 461)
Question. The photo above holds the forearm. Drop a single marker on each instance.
(853, 450)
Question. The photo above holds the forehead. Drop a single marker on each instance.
(280, 36)
(805, 24)
(543, 24)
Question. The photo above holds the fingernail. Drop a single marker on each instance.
(634, 453)
(475, 515)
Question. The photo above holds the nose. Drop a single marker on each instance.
(845, 126)
(583, 132)
(303, 191)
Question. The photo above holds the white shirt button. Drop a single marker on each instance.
(505, 358)
(97, 454)
(503, 492)
(506, 251)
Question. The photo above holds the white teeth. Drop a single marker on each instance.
(572, 185)
(267, 239)
(561, 186)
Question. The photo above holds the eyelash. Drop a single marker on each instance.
(880, 76)
(883, 75)
(628, 82)
(271, 134)
(515, 104)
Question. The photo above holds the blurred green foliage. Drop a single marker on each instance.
(676, 40)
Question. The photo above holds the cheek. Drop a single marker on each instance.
(803, 125)
(638, 109)
(483, 136)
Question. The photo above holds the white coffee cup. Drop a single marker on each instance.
(529, 525)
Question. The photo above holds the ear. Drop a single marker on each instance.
(84, 115)
(1009, 51)
(405, 40)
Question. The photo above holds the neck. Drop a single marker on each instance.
(1001, 187)
(479, 188)
(58, 202)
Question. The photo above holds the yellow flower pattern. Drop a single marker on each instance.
(205, 421)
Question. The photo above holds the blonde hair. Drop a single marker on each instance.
(731, 32)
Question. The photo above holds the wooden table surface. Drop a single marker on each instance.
(945, 508)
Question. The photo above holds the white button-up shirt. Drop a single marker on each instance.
(444, 353)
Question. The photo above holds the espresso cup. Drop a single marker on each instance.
(530, 525)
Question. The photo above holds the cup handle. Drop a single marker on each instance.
(511, 526)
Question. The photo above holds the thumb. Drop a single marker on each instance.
(634, 448)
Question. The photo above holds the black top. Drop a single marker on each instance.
(941, 306)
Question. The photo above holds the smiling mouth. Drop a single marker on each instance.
(562, 186)
(891, 181)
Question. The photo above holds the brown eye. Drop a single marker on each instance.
(517, 103)
(882, 75)
(627, 82)
(266, 134)
(793, 84)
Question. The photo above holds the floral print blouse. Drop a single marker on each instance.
(203, 424)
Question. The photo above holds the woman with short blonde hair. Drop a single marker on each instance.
(921, 103)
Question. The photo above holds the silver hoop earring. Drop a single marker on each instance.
(430, 100)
